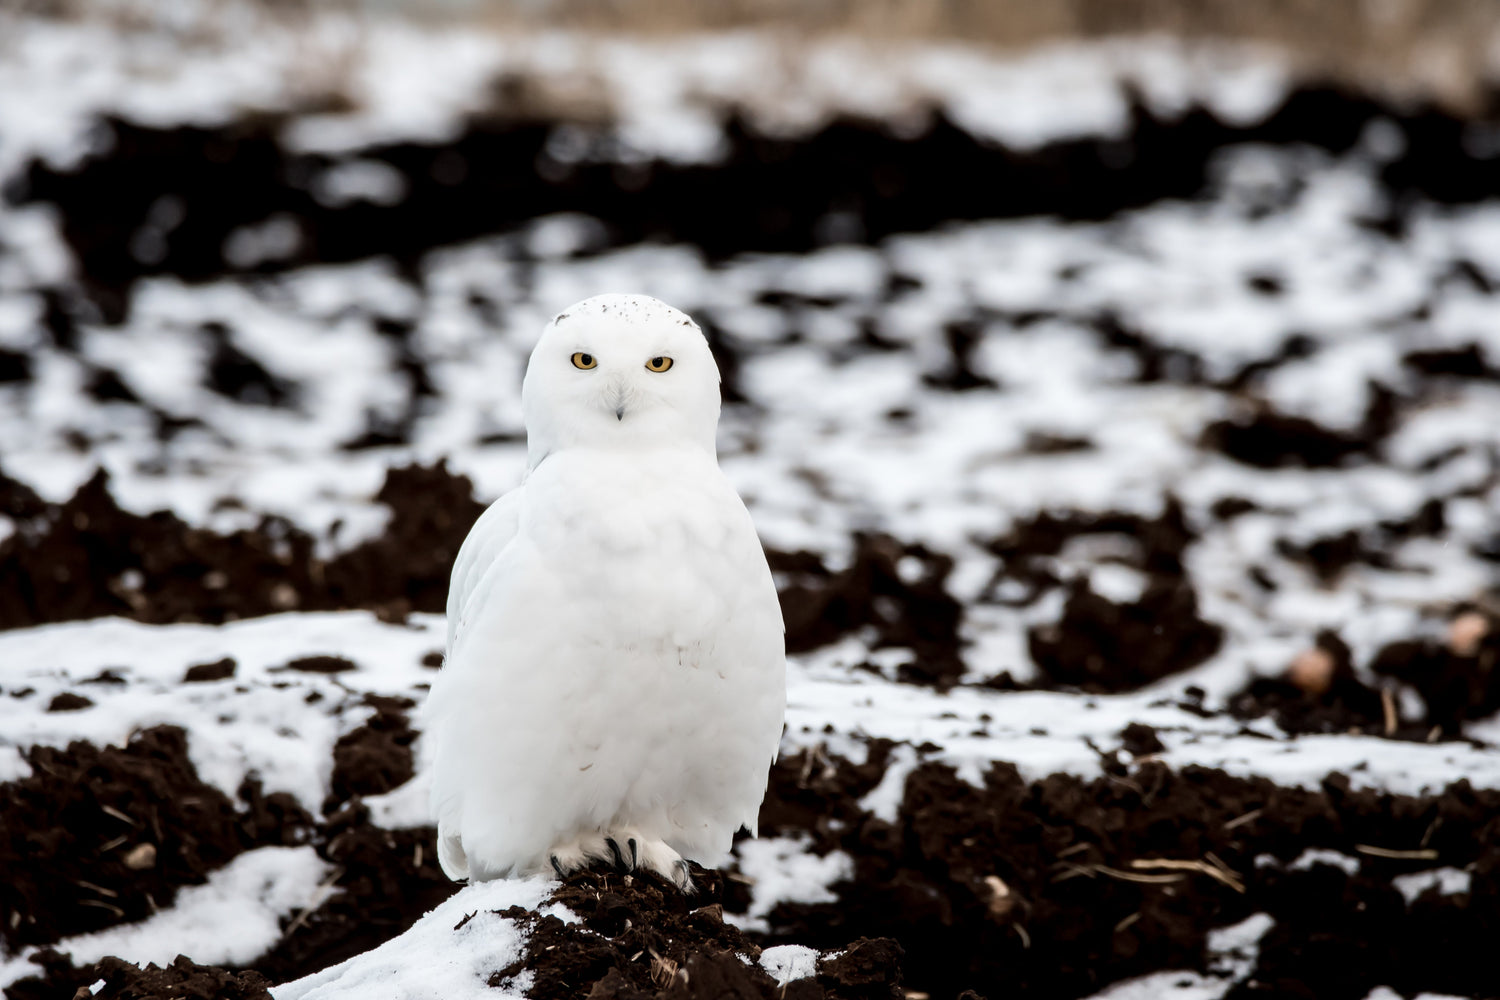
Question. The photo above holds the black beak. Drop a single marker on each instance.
(619, 413)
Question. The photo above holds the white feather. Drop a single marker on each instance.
(615, 662)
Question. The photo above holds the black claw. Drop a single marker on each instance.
(634, 855)
(557, 867)
(614, 848)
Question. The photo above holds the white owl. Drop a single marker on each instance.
(615, 679)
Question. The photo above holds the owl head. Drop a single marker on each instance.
(620, 371)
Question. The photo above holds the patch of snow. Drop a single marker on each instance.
(251, 895)
(436, 959)
(783, 870)
(1314, 856)
(787, 962)
(1447, 881)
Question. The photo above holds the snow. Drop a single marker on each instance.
(1322, 856)
(1231, 952)
(436, 958)
(251, 894)
(1447, 881)
(786, 962)
(782, 870)
(258, 722)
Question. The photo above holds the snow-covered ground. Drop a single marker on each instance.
(849, 423)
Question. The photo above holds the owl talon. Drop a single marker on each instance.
(557, 867)
(635, 860)
(614, 848)
(684, 876)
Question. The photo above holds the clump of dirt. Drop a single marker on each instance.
(1059, 887)
(96, 837)
(384, 881)
(1101, 645)
(377, 757)
(1154, 546)
(1458, 679)
(87, 558)
(896, 590)
(321, 663)
(407, 567)
(1154, 363)
(218, 670)
(641, 938)
(1331, 555)
(962, 338)
(184, 979)
(236, 375)
(1325, 697)
(1469, 361)
(1270, 439)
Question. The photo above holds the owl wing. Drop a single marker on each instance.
(489, 536)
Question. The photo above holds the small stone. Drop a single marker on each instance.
(140, 857)
(1311, 671)
(1001, 900)
(284, 596)
(1466, 632)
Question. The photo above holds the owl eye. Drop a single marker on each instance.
(586, 361)
(659, 364)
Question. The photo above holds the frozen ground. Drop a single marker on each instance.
(1269, 417)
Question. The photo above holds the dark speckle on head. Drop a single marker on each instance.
(560, 317)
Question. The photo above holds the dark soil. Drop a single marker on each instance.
(1269, 439)
(852, 180)
(1013, 889)
(642, 938)
(97, 837)
(1031, 890)
(70, 829)
(384, 881)
(377, 757)
(1157, 545)
(912, 610)
(182, 980)
(88, 558)
(1099, 645)
(1455, 685)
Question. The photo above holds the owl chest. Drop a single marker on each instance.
(640, 559)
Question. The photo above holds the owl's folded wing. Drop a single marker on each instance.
(489, 536)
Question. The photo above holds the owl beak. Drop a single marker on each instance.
(619, 413)
(619, 401)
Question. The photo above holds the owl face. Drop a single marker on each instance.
(620, 371)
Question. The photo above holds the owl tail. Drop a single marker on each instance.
(451, 855)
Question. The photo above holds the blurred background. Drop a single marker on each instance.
(1094, 347)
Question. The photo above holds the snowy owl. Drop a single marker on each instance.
(615, 678)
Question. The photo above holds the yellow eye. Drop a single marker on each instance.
(587, 361)
(659, 364)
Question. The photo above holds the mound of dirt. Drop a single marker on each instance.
(88, 558)
(96, 837)
(377, 757)
(641, 938)
(896, 589)
(1101, 645)
(1458, 680)
(184, 979)
(1059, 887)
